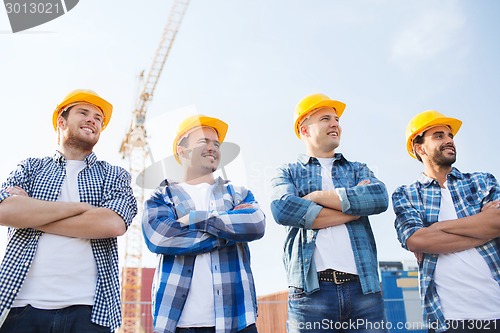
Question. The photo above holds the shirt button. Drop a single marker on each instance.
(307, 260)
(14, 291)
(26, 263)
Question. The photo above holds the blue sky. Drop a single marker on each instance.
(249, 63)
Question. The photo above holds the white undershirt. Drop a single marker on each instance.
(64, 270)
(333, 244)
(199, 308)
(464, 282)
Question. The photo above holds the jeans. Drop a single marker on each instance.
(335, 308)
(73, 319)
(249, 329)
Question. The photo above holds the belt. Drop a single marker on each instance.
(336, 277)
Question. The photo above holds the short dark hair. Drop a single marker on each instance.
(419, 139)
(65, 113)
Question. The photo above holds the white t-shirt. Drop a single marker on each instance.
(333, 244)
(64, 270)
(464, 283)
(199, 308)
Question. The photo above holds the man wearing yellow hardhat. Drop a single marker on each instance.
(459, 264)
(64, 212)
(200, 229)
(324, 200)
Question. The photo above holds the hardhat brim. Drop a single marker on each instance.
(102, 104)
(453, 123)
(337, 105)
(201, 121)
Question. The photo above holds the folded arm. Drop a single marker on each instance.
(416, 237)
(20, 211)
(164, 233)
(243, 223)
(308, 212)
(485, 225)
(92, 224)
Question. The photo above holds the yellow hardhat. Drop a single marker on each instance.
(311, 103)
(195, 121)
(84, 96)
(425, 120)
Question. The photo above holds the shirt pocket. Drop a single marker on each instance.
(478, 199)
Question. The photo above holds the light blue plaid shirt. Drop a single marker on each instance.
(417, 206)
(295, 180)
(223, 232)
(101, 185)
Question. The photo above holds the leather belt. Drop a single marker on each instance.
(336, 277)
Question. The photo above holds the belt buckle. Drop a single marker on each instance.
(337, 281)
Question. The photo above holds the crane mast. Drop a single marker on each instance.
(136, 149)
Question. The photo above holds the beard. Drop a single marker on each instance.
(443, 160)
(74, 141)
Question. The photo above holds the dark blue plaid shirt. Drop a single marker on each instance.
(101, 185)
(417, 206)
(223, 232)
(295, 180)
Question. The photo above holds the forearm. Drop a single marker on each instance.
(433, 240)
(328, 199)
(93, 224)
(485, 225)
(239, 225)
(26, 212)
(330, 217)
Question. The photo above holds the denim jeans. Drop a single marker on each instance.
(335, 308)
(73, 319)
(249, 329)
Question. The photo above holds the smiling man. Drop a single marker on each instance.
(201, 228)
(324, 201)
(451, 221)
(60, 270)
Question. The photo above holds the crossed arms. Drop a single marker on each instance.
(446, 236)
(322, 209)
(199, 231)
(460, 234)
(71, 219)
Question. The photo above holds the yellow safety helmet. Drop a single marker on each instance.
(84, 96)
(198, 120)
(425, 120)
(311, 103)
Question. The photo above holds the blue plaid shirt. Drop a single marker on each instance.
(101, 185)
(295, 180)
(223, 232)
(417, 206)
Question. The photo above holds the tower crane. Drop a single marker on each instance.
(136, 149)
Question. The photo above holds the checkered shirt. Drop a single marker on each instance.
(417, 206)
(101, 185)
(295, 180)
(223, 232)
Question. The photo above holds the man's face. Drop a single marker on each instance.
(83, 126)
(203, 150)
(322, 129)
(439, 146)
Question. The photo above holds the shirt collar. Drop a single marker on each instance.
(305, 159)
(426, 181)
(89, 160)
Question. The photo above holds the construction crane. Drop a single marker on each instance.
(136, 149)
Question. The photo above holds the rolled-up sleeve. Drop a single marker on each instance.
(120, 196)
(408, 219)
(364, 200)
(287, 207)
